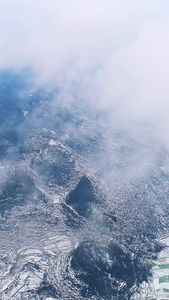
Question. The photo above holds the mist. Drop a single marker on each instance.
(111, 57)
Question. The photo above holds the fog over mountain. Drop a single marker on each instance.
(84, 150)
(112, 56)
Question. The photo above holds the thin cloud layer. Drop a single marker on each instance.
(112, 56)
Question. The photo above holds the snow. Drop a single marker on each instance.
(25, 112)
(52, 143)
(29, 251)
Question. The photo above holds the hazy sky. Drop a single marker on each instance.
(114, 55)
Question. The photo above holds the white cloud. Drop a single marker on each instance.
(114, 55)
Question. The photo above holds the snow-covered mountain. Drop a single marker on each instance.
(82, 207)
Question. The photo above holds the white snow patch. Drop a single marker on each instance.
(56, 199)
(52, 143)
(25, 112)
(29, 251)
